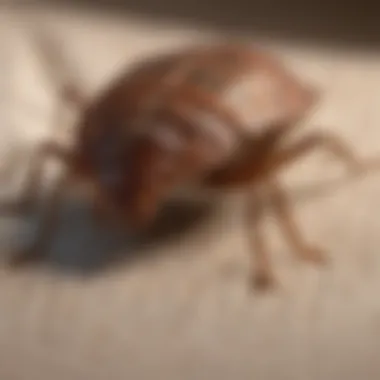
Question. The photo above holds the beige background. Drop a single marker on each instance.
(180, 309)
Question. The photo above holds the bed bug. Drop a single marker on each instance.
(213, 115)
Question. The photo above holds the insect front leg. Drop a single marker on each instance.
(283, 211)
(328, 142)
(271, 191)
(260, 169)
(261, 271)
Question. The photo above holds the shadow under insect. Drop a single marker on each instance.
(82, 245)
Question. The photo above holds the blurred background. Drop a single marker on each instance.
(175, 304)
(323, 23)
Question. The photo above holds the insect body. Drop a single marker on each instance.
(215, 115)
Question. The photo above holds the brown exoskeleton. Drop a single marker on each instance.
(213, 115)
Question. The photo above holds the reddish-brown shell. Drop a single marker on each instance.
(203, 101)
(236, 85)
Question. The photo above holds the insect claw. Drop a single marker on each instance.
(263, 281)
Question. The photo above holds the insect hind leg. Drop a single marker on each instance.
(58, 69)
(283, 212)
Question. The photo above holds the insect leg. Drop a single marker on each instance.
(58, 68)
(259, 168)
(261, 272)
(330, 143)
(282, 208)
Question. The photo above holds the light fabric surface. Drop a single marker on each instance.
(182, 311)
